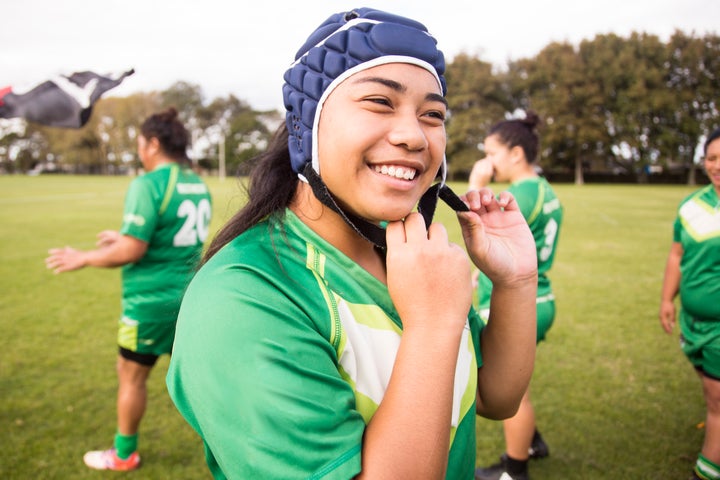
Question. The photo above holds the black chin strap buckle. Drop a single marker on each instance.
(428, 201)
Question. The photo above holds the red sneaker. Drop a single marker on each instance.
(108, 460)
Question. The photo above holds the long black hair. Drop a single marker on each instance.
(270, 190)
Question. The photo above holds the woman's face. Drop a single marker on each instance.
(381, 140)
(499, 155)
(712, 162)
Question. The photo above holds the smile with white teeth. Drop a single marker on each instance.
(396, 171)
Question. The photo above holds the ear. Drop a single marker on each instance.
(517, 155)
(154, 144)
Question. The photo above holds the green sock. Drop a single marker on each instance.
(125, 445)
(707, 469)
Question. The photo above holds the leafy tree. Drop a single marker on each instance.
(116, 121)
(611, 103)
(692, 79)
(476, 100)
(561, 92)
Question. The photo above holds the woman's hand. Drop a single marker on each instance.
(498, 238)
(667, 315)
(428, 277)
(481, 174)
(65, 259)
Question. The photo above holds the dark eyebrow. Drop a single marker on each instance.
(434, 97)
(398, 87)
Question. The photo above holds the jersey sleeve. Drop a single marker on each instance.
(140, 215)
(260, 383)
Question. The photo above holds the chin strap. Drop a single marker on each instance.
(428, 202)
(369, 231)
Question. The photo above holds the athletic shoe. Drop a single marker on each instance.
(498, 471)
(108, 460)
(538, 447)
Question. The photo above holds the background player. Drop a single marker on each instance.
(511, 148)
(165, 222)
(693, 270)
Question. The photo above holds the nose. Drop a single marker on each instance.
(407, 132)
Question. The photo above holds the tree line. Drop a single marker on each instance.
(621, 107)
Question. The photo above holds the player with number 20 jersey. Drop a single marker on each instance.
(170, 209)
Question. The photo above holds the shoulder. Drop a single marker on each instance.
(150, 180)
(265, 257)
(703, 193)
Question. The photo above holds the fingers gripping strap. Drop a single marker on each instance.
(428, 202)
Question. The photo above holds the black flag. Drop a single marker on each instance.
(65, 101)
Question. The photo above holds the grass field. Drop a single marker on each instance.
(614, 397)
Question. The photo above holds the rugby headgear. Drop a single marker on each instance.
(344, 44)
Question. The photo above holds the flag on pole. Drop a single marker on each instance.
(65, 101)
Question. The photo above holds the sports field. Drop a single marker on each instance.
(614, 396)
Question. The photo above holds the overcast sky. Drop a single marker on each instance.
(243, 46)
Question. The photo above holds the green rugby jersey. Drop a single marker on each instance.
(283, 352)
(543, 212)
(170, 209)
(697, 229)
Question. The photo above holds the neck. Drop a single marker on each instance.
(526, 171)
(156, 162)
(332, 228)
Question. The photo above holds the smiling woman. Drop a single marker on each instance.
(312, 339)
(405, 111)
(692, 271)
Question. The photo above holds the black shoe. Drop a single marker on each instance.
(538, 447)
(498, 471)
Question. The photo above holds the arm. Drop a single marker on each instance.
(113, 250)
(671, 285)
(428, 280)
(501, 245)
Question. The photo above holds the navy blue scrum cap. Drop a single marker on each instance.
(344, 44)
(341, 46)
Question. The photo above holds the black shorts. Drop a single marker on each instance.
(146, 359)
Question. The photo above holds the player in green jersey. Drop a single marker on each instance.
(165, 223)
(314, 343)
(511, 149)
(693, 271)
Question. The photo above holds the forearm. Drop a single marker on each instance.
(121, 252)
(671, 279)
(508, 349)
(409, 434)
(670, 288)
(672, 276)
(108, 257)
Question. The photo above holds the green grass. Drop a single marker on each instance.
(613, 394)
